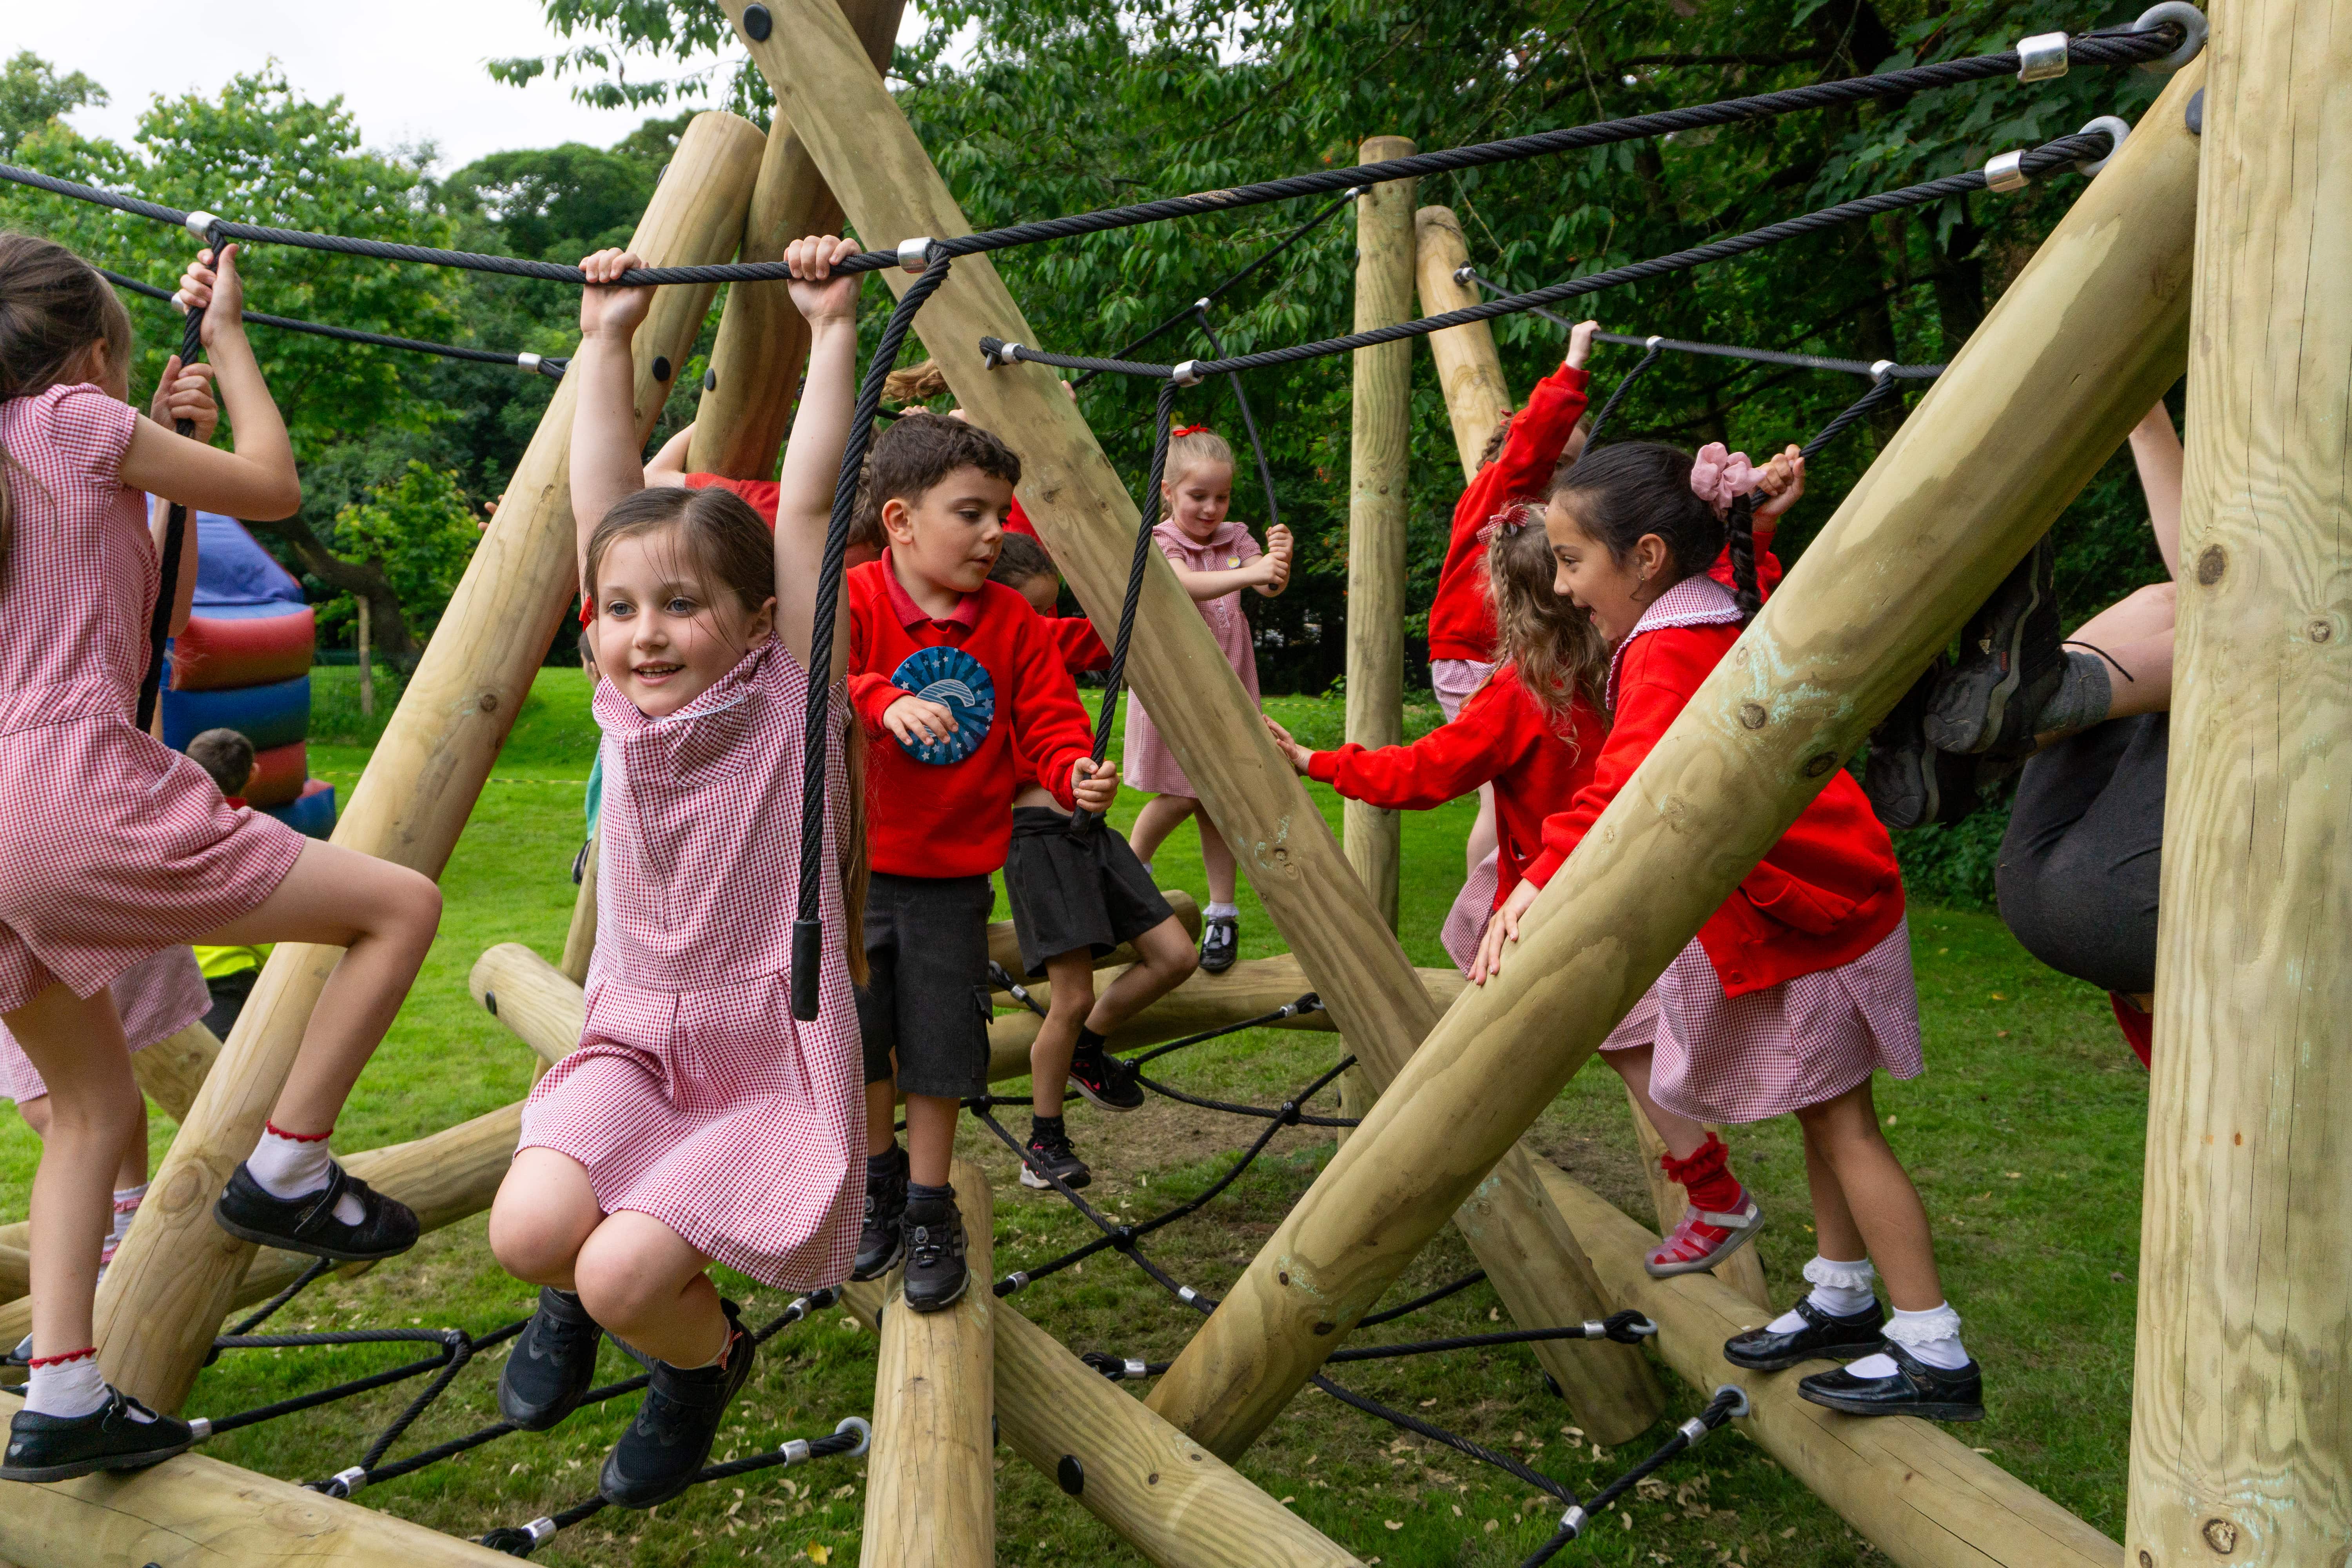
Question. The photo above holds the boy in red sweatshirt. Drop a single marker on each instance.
(957, 681)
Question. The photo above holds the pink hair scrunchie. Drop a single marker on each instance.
(1718, 478)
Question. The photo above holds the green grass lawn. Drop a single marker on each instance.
(2025, 1136)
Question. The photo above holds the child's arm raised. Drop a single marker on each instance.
(2156, 450)
(258, 479)
(667, 467)
(608, 459)
(820, 436)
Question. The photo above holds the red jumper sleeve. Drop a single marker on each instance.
(1486, 737)
(1650, 691)
(1049, 723)
(1539, 434)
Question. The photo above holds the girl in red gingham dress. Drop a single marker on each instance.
(113, 848)
(697, 1120)
(1798, 988)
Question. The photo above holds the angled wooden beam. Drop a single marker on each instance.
(1469, 371)
(2088, 335)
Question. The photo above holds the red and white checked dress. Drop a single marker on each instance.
(112, 847)
(156, 998)
(696, 1097)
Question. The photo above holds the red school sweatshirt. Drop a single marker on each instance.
(1461, 621)
(1828, 892)
(955, 820)
(1501, 735)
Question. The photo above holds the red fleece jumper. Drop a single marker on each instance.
(762, 495)
(1461, 621)
(956, 820)
(1501, 735)
(1828, 892)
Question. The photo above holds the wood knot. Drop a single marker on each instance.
(1283, 1276)
(2210, 564)
(2320, 630)
(1752, 715)
(1821, 764)
(2145, 1560)
(1321, 1329)
(2220, 1534)
(487, 702)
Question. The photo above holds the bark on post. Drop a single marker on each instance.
(1468, 370)
(869, 154)
(1378, 464)
(2092, 329)
(174, 1278)
(2240, 1444)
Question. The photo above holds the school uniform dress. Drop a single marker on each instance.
(696, 1097)
(1146, 763)
(112, 847)
(155, 998)
(1800, 985)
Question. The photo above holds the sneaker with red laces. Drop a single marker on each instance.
(1702, 1238)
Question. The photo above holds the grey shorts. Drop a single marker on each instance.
(1068, 893)
(927, 998)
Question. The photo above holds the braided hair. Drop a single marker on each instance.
(1740, 525)
(1626, 490)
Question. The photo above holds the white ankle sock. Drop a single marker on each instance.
(290, 1167)
(126, 1209)
(1932, 1336)
(1840, 1289)
(1217, 911)
(66, 1385)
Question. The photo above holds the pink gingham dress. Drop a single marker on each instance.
(1146, 763)
(696, 1097)
(156, 998)
(112, 847)
(1800, 1043)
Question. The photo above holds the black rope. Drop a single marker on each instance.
(1617, 395)
(1249, 421)
(808, 927)
(1728, 1402)
(1082, 821)
(1310, 1003)
(1478, 1451)
(449, 1340)
(268, 1309)
(547, 365)
(175, 530)
(1884, 389)
(1418, 1302)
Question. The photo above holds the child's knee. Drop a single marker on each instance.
(417, 907)
(530, 1237)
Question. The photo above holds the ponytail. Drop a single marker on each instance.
(1741, 525)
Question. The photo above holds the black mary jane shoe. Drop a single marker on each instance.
(663, 1449)
(386, 1228)
(1824, 1337)
(1913, 1388)
(553, 1365)
(111, 1437)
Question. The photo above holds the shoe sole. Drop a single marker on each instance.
(1031, 1179)
(307, 1249)
(38, 1473)
(1854, 1352)
(1996, 701)
(887, 1264)
(546, 1420)
(1927, 1410)
(1208, 968)
(927, 1309)
(1100, 1103)
(1708, 1264)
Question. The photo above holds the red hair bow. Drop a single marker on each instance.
(1510, 520)
(1188, 430)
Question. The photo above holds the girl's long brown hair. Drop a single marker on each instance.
(53, 307)
(1559, 654)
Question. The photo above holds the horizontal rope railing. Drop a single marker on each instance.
(547, 365)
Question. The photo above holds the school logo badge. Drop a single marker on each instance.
(959, 682)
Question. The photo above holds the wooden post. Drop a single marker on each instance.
(763, 342)
(1917, 1491)
(580, 940)
(1469, 372)
(931, 1480)
(177, 1270)
(1744, 1272)
(869, 154)
(172, 1071)
(367, 669)
(2083, 341)
(1379, 456)
(2241, 1451)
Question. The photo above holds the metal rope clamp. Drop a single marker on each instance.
(1005, 354)
(864, 1430)
(2117, 127)
(201, 224)
(2006, 172)
(2193, 29)
(2042, 57)
(1186, 375)
(1572, 1522)
(915, 255)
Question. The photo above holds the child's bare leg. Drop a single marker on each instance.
(1682, 1136)
(78, 1047)
(1873, 1205)
(544, 1214)
(1217, 860)
(931, 1137)
(1160, 816)
(1482, 835)
(132, 1170)
(641, 1280)
(1164, 959)
(881, 1117)
(1072, 976)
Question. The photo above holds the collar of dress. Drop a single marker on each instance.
(621, 717)
(1696, 601)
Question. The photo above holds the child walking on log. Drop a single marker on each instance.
(964, 694)
(1216, 559)
(1534, 730)
(114, 849)
(699, 1120)
(1798, 988)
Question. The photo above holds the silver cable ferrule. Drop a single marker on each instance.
(796, 1451)
(1007, 353)
(1574, 1521)
(2006, 172)
(2117, 129)
(1186, 1294)
(541, 1529)
(1879, 367)
(200, 224)
(2042, 57)
(1016, 1280)
(1137, 1368)
(2193, 28)
(1693, 1429)
(345, 1482)
(1652, 342)
(199, 1428)
(915, 255)
(526, 361)
(1186, 375)
(1466, 274)
(1594, 1330)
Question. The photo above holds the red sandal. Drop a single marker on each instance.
(1702, 1238)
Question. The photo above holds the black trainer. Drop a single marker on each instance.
(1220, 943)
(936, 1275)
(1824, 1337)
(1052, 1152)
(1913, 1388)
(1108, 1083)
(1908, 782)
(882, 1240)
(111, 1437)
(2011, 660)
(663, 1450)
(387, 1227)
(552, 1364)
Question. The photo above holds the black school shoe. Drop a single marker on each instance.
(307, 1225)
(1220, 943)
(1913, 1388)
(2010, 663)
(663, 1450)
(1908, 782)
(552, 1364)
(1824, 1337)
(1108, 1083)
(936, 1275)
(882, 1239)
(59, 1448)
(1051, 1151)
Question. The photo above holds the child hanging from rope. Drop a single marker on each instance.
(1075, 897)
(1535, 730)
(964, 694)
(699, 1120)
(1798, 988)
(1216, 559)
(114, 849)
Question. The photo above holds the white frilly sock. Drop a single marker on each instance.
(67, 1386)
(1840, 1289)
(1932, 1336)
(1217, 911)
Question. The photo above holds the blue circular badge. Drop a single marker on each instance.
(959, 682)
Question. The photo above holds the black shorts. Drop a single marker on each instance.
(1070, 893)
(927, 997)
(228, 992)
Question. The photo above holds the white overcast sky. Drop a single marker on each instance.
(408, 72)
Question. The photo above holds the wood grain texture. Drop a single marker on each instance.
(762, 349)
(2241, 1435)
(1916, 1490)
(1469, 371)
(1743, 1271)
(579, 938)
(871, 158)
(2092, 329)
(1380, 451)
(172, 1071)
(176, 1272)
(930, 1480)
